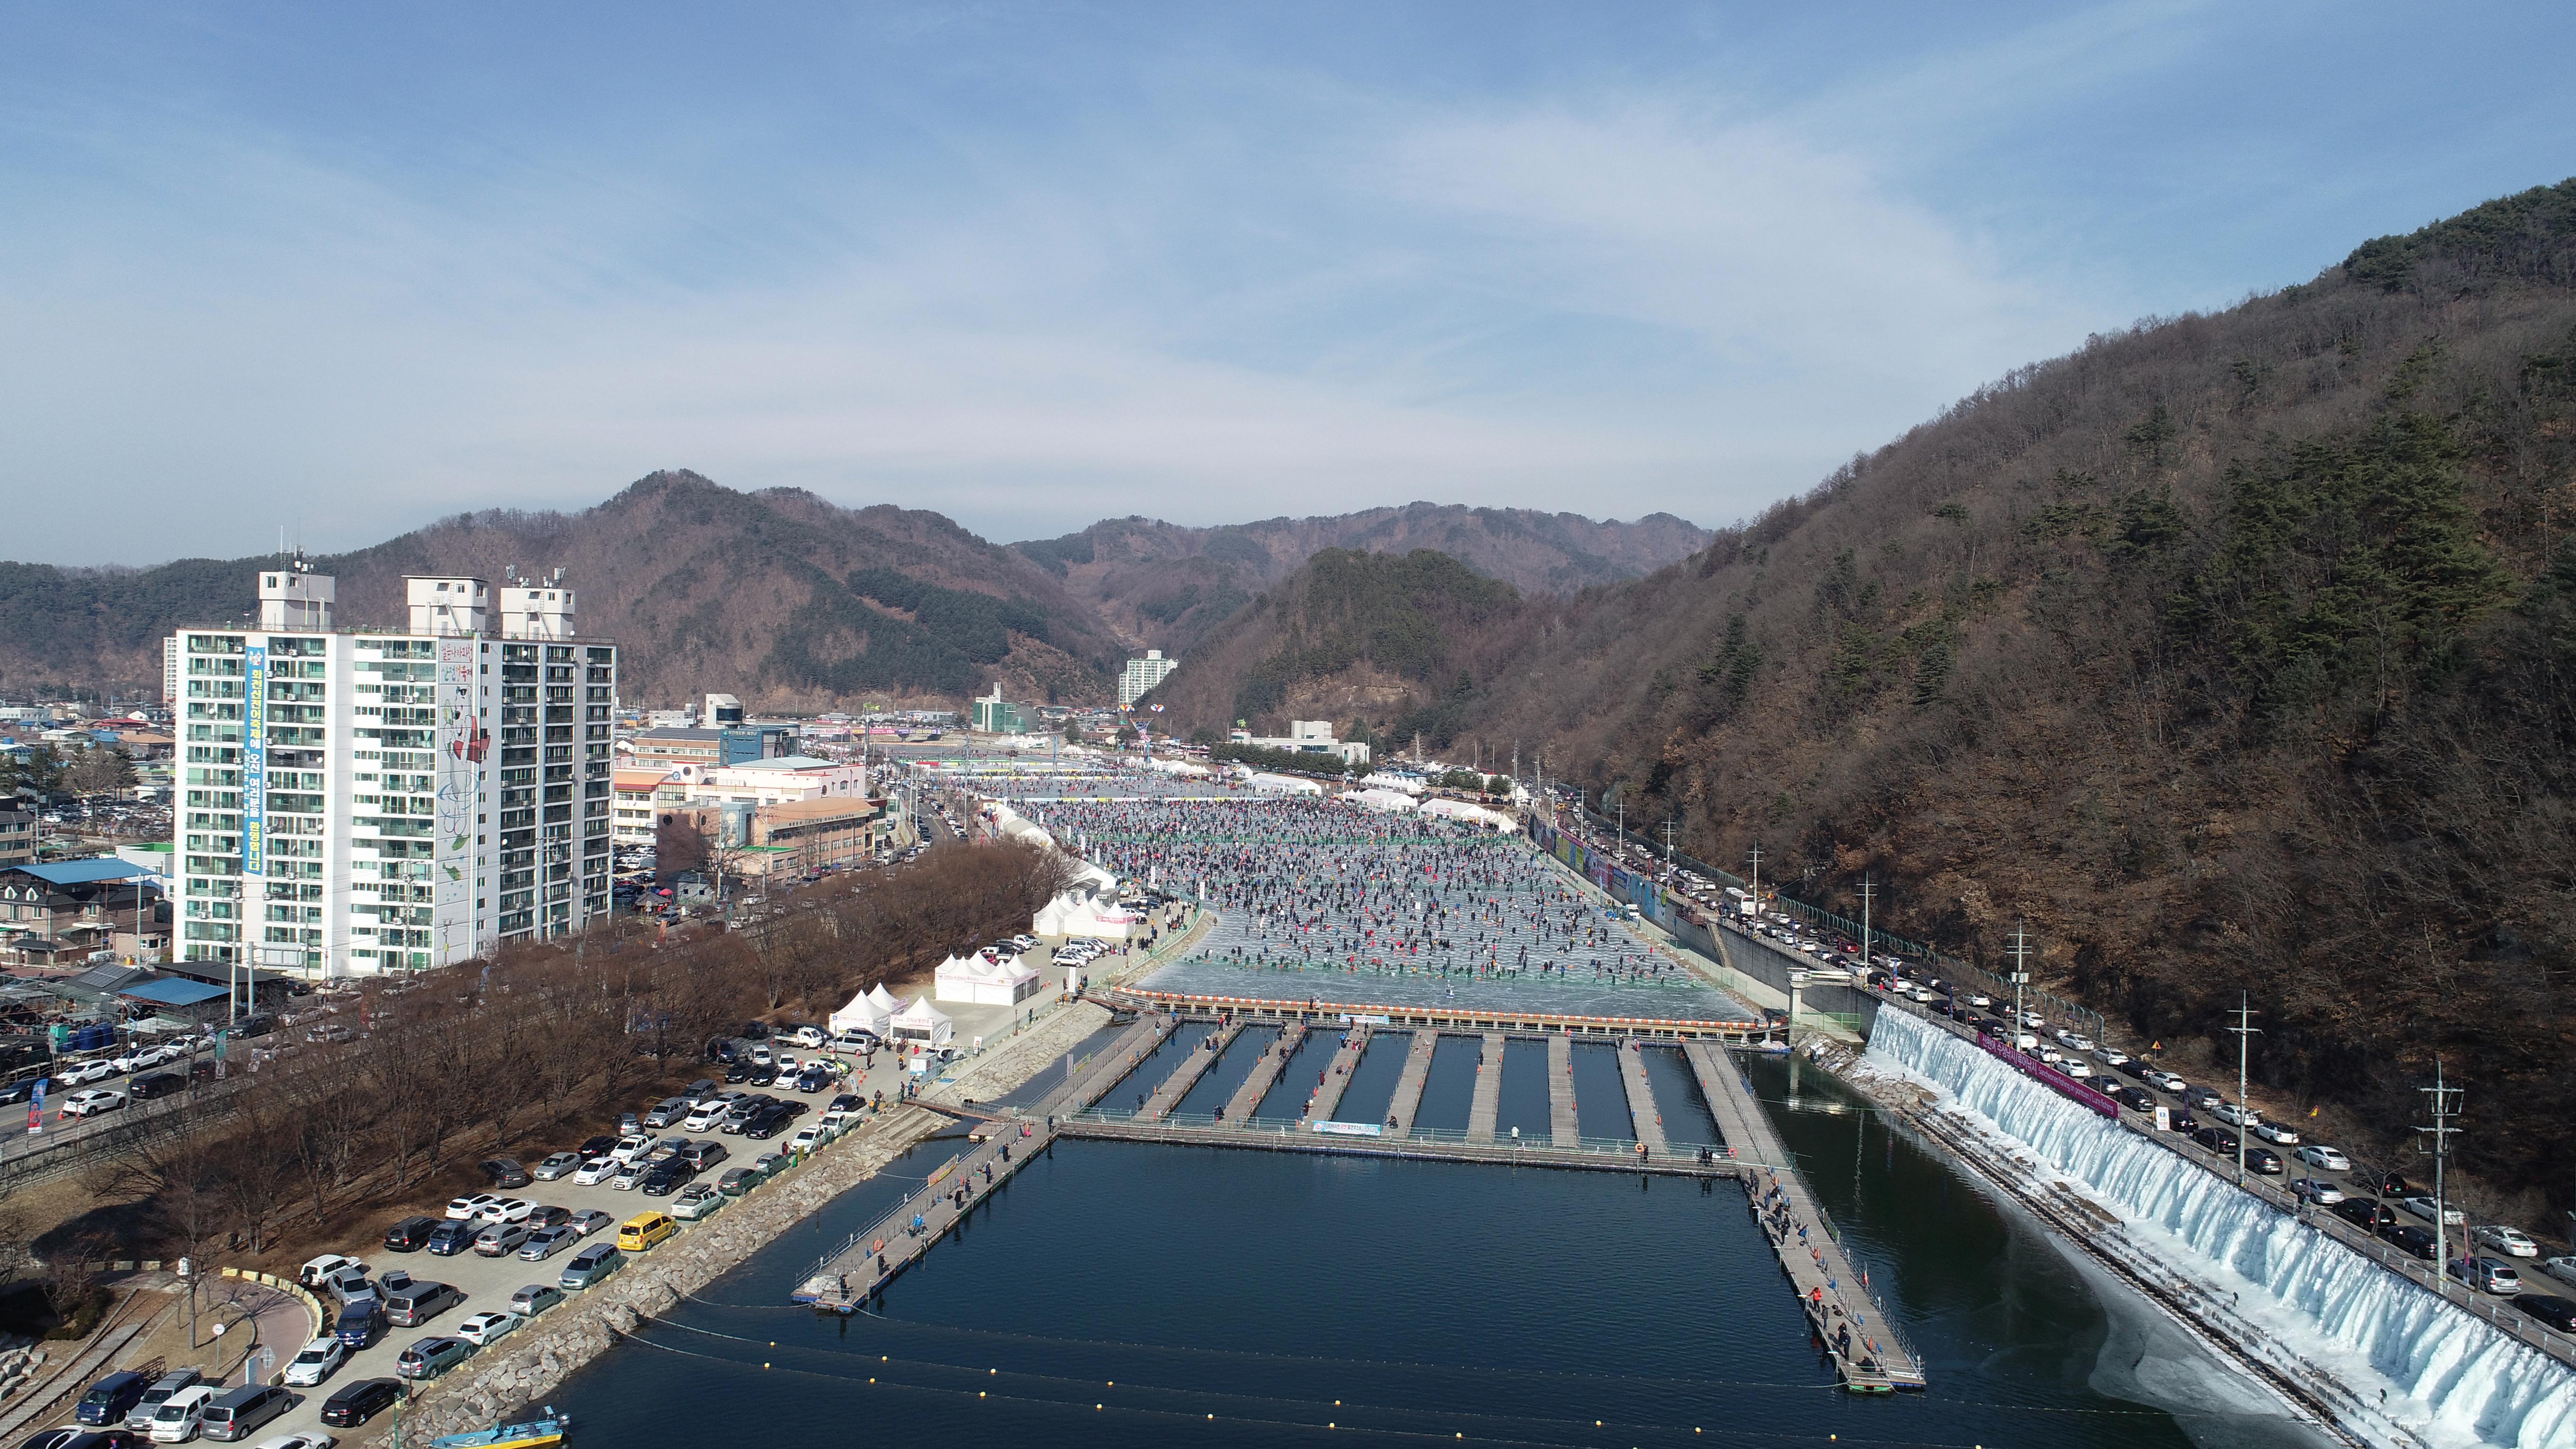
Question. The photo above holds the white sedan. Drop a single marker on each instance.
(506, 1210)
(2512, 1242)
(2317, 1154)
(320, 1359)
(486, 1329)
(595, 1171)
(2276, 1134)
(82, 1104)
(297, 1441)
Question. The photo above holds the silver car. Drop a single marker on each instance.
(544, 1243)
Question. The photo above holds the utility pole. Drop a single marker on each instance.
(2020, 978)
(2245, 1031)
(1754, 894)
(1867, 890)
(2445, 1105)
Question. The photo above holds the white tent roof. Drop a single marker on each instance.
(1395, 800)
(868, 1011)
(1284, 784)
(980, 967)
(1475, 814)
(921, 1013)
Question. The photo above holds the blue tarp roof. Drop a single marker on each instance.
(170, 991)
(82, 872)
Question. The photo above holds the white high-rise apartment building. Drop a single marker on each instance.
(354, 801)
(1143, 674)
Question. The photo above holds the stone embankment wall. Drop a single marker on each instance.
(532, 1363)
(997, 1072)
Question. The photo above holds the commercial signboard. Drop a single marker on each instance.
(1351, 1129)
(255, 760)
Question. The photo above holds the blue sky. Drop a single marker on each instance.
(347, 269)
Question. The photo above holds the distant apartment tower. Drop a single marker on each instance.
(170, 657)
(1143, 674)
(358, 802)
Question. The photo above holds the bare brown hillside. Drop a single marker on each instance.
(2234, 653)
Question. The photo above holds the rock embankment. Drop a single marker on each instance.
(534, 1362)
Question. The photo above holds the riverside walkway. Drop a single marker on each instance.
(1867, 1350)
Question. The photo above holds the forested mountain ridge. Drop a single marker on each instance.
(791, 602)
(1166, 585)
(778, 597)
(2232, 653)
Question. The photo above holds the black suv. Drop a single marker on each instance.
(2367, 1213)
(505, 1172)
(2407, 1238)
(409, 1235)
(356, 1403)
(2558, 1313)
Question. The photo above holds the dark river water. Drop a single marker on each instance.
(1121, 1294)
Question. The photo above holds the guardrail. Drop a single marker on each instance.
(2495, 1311)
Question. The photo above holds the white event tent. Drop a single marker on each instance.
(869, 1011)
(921, 1024)
(982, 979)
(1473, 814)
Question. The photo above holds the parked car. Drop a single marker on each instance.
(697, 1200)
(500, 1240)
(548, 1215)
(488, 1328)
(2562, 1269)
(2367, 1213)
(505, 1172)
(2317, 1154)
(2275, 1133)
(360, 1324)
(111, 1399)
(463, 1208)
(595, 1171)
(2318, 1191)
(555, 1165)
(2263, 1160)
(664, 1178)
(238, 1413)
(418, 1303)
(317, 1271)
(544, 1243)
(667, 1111)
(590, 1266)
(645, 1231)
(2215, 1140)
(809, 1139)
(156, 1085)
(2407, 1238)
(93, 1102)
(2487, 1275)
(534, 1299)
(356, 1403)
(2512, 1242)
(507, 1210)
(176, 1381)
(179, 1417)
(738, 1180)
(2423, 1207)
(410, 1235)
(430, 1357)
(318, 1361)
(2558, 1313)
(2202, 1099)
(589, 1221)
(453, 1237)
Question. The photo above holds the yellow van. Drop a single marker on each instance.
(644, 1230)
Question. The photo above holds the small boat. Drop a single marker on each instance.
(549, 1428)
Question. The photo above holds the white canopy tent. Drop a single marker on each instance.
(1391, 800)
(1284, 784)
(869, 1011)
(921, 1024)
(1472, 814)
(982, 979)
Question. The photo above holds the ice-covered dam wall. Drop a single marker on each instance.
(2469, 1382)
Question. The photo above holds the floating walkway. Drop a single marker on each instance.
(1313, 1011)
(1417, 1145)
(1867, 1351)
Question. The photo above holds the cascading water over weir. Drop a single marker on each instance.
(2452, 1378)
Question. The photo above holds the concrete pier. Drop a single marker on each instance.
(1186, 1075)
(1565, 1128)
(1642, 1110)
(1337, 1077)
(1248, 1097)
(1866, 1348)
(1487, 1106)
(1408, 1087)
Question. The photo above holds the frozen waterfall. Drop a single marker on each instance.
(2474, 1383)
